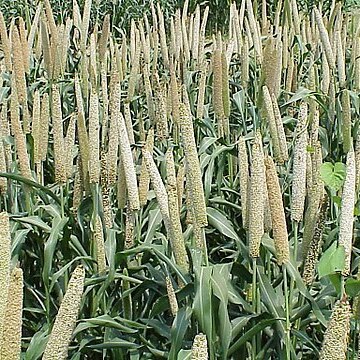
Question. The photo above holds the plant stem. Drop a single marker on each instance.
(295, 231)
(287, 308)
(254, 302)
(62, 199)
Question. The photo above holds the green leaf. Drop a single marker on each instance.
(31, 183)
(251, 333)
(34, 220)
(332, 260)
(221, 223)
(271, 299)
(37, 344)
(238, 324)
(58, 274)
(219, 280)
(178, 330)
(50, 246)
(202, 306)
(154, 221)
(184, 355)
(115, 343)
(108, 321)
(301, 94)
(336, 281)
(206, 142)
(352, 287)
(333, 175)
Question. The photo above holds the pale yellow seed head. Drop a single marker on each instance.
(243, 179)
(10, 347)
(346, 223)
(5, 43)
(144, 181)
(256, 205)
(98, 236)
(129, 229)
(174, 91)
(20, 140)
(270, 118)
(225, 87)
(177, 239)
(24, 45)
(104, 37)
(69, 143)
(159, 188)
(199, 350)
(121, 191)
(162, 128)
(135, 68)
(5, 256)
(324, 36)
(163, 43)
(18, 66)
(217, 90)
(193, 170)
(280, 131)
(59, 340)
(94, 138)
(172, 296)
(312, 254)
(59, 149)
(277, 212)
(35, 130)
(44, 126)
(299, 167)
(202, 88)
(128, 162)
(335, 343)
(113, 151)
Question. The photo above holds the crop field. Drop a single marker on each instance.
(179, 182)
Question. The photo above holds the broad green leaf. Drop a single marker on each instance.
(333, 175)
(352, 287)
(336, 281)
(332, 260)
